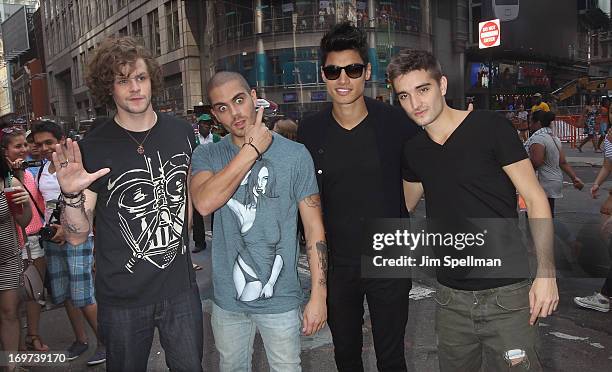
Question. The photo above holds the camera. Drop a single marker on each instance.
(48, 232)
(31, 164)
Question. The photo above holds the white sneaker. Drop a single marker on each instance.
(597, 302)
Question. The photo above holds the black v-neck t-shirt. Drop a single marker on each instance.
(352, 187)
(463, 179)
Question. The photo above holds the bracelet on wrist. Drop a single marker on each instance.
(73, 204)
(74, 195)
(255, 148)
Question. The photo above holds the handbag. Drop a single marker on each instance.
(33, 286)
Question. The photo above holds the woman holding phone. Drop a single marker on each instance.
(14, 208)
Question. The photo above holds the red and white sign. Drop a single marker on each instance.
(489, 34)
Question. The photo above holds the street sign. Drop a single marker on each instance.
(489, 34)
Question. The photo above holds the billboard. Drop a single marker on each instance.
(15, 35)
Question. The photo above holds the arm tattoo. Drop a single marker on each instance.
(72, 228)
(90, 218)
(322, 253)
(313, 201)
(69, 227)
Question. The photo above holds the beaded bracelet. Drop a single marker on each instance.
(71, 195)
(77, 204)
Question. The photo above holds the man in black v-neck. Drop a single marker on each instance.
(356, 146)
(468, 165)
(353, 186)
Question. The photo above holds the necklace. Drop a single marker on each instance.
(140, 149)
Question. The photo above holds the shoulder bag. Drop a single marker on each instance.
(33, 286)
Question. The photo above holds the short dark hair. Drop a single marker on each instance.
(344, 36)
(409, 60)
(545, 118)
(222, 77)
(48, 126)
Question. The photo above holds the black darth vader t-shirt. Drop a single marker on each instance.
(141, 228)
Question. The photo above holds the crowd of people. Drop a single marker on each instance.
(136, 181)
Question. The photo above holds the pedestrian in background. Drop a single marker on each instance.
(14, 209)
(604, 121)
(600, 301)
(523, 123)
(70, 267)
(14, 148)
(286, 128)
(548, 159)
(589, 119)
(204, 137)
(33, 154)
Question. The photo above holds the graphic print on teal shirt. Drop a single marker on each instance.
(257, 264)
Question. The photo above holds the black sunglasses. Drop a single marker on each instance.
(354, 71)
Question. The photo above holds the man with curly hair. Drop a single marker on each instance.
(134, 180)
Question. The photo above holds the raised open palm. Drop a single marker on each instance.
(71, 174)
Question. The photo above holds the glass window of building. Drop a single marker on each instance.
(123, 31)
(86, 17)
(153, 28)
(172, 25)
(137, 28)
(75, 72)
(234, 19)
(109, 7)
(82, 65)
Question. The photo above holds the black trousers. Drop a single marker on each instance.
(388, 305)
(199, 229)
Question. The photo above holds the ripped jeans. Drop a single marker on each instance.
(492, 321)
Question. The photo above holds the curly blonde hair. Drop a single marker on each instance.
(110, 58)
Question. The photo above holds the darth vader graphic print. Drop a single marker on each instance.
(258, 263)
(150, 204)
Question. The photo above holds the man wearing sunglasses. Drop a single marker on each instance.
(356, 145)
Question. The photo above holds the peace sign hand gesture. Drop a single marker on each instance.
(71, 175)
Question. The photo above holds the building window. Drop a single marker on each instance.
(74, 10)
(172, 25)
(123, 31)
(137, 31)
(121, 4)
(153, 28)
(75, 75)
(86, 17)
(137, 28)
(109, 8)
(82, 65)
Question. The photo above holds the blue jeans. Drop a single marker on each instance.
(127, 333)
(235, 332)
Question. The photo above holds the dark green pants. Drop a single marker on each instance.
(493, 321)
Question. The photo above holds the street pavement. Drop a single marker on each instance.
(572, 339)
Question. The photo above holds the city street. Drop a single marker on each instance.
(572, 339)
